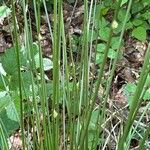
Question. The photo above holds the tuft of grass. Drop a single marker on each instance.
(64, 114)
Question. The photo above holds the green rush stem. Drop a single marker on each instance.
(85, 54)
(48, 21)
(42, 85)
(113, 67)
(83, 100)
(29, 46)
(65, 80)
(56, 66)
(75, 102)
(50, 143)
(85, 127)
(15, 38)
(55, 73)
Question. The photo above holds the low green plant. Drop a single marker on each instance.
(138, 20)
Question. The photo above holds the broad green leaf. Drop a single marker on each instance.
(119, 28)
(147, 95)
(4, 11)
(146, 15)
(123, 2)
(139, 33)
(146, 2)
(115, 42)
(101, 47)
(16, 100)
(49, 88)
(121, 15)
(108, 3)
(100, 53)
(129, 90)
(112, 54)
(104, 10)
(104, 33)
(90, 139)
(137, 7)
(35, 49)
(92, 125)
(9, 124)
(9, 61)
(147, 83)
(14, 81)
(137, 22)
(99, 58)
(92, 130)
(48, 64)
(145, 25)
(4, 100)
(102, 22)
(26, 79)
(37, 61)
(129, 25)
(12, 112)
